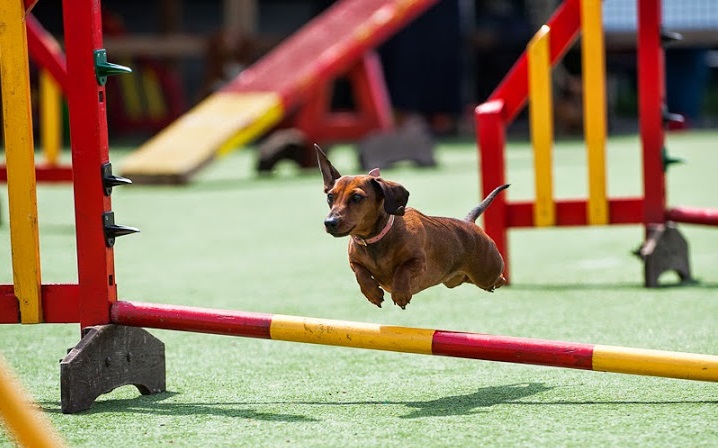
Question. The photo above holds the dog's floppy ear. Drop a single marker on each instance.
(329, 173)
(394, 194)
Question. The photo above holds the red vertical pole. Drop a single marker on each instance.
(371, 93)
(88, 133)
(491, 139)
(651, 100)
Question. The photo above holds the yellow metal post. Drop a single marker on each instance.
(50, 118)
(131, 93)
(594, 109)
(20, 159)
(152, 89)
(541, 125)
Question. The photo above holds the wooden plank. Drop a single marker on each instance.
(223, 120)
(107, 357)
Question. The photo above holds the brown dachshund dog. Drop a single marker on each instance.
(400, 250)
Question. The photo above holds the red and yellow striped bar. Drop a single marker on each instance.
(541, 124)
(594, 109)
(20, 160)
(420, 341)
(351, 334)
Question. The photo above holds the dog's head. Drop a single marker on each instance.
(357, 202)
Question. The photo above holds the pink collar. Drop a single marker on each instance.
(374, 239)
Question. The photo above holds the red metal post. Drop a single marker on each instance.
(651, 100)
(491, 139)
(88, 132)
(45, 50)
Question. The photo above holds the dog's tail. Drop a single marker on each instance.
(481, 208)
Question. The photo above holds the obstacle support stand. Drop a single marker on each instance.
(107, 357)
(665, 249)
(411, 141)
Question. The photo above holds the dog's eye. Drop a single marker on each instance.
(357, 198)
(330, 199)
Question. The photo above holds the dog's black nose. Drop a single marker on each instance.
(331, 223)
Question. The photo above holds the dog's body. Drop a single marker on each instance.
(400, 250)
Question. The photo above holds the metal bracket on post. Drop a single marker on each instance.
(113, 230)
(109, 180)
(107, 357)
(668, 37)
(103, 69)
(664, 250)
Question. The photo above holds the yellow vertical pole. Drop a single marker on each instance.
(28, 426)
(594, 109)
(50, 118)
(131, 94)
(541, 125)
(152, 88)
(20, 159)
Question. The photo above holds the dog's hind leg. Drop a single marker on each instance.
(456, 280)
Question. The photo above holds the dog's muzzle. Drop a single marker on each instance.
(331, 224)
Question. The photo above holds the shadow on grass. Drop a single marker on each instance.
(442, 407)
(468, 404)
(454, 405)
(154, 405)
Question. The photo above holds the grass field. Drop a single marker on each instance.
(237, 241)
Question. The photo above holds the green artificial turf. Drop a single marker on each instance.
(234, 240)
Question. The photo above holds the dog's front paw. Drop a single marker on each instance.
(375, 296)
(401, 299)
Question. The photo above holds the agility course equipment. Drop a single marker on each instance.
(52, 82)
(530, 79)
(291, 82)
(417, 340)
(28, 426)
(114, 350)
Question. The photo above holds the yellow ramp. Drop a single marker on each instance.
(222, 121)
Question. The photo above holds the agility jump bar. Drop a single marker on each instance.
(486, 347)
